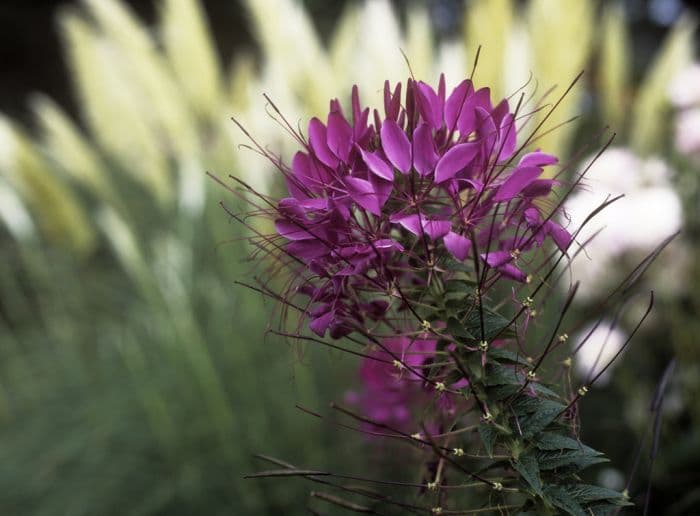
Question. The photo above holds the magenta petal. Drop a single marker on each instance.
(410, 222)
(378, 166)
(537, 159)
(532, 217)
(486, 129)
(511, 271)
(320, 324)
(455, 103)
(455, 160)
(339, 137)
(382, 188)
(432, 228)
(396, 145)
(497, 258)
(317, 139)
(508, 135)
(457, 245)
(430, 105)
(560, 235)
(436, 228)
(386, 244)
(468, 121)
(307, 249)
(362, 192)
(293, 230)
(539, 188)
(308, 172)
(517, 181)
(424, 155)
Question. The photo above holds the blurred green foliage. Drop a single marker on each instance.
(135, 377)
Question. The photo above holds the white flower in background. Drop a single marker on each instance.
(599, 348)
(684, 93)
(684, 88)
(687, 131)
(649, 212)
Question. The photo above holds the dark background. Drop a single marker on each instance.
(31, 53)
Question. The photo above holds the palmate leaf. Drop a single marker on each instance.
(577, 459)
(586, 493)
(488, 436)
(529, 469)
(554, 441)
(508, 356)
(497, 374)
(560, 498)
(538, 421)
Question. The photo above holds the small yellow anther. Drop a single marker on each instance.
(398, 364)
(568, 362)
(425, 325)
(459, 452)
(583, 391)
(440, 387)
(497, 486)
(515, 253)
(437, 510)
(531, 375)
(563, 337)
(488, 416)
(528, 279)
(533, 313)
(417, 436)
(527, 302)
(483, 346)
(432, 486)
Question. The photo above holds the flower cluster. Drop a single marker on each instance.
(414, 233)
(376, 208)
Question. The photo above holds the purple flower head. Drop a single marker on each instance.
(374, 208)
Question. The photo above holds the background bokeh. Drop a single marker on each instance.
(137, 379)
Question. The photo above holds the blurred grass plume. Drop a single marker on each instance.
(128, 370)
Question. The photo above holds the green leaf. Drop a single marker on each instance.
(605, 509)
(494, 323)
(460, 286)
(507, 355)
(458, 330)
(561, 499)
(488, 436)
(577, 459)
(543, 389)
(586, 493)
(538, 421)
(529, 469)
(499, 375)
(501, 392)
(554, 441)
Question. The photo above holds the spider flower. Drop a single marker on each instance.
(377, 204)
